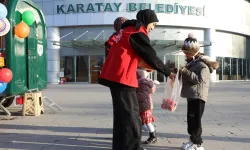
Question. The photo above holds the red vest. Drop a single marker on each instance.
(121, 64)
(111, 40)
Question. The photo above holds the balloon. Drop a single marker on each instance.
(28, 17)
(4, 26)
(3, 87)
(6, 75)
(18, 17)
(22, 30)
(3, 11)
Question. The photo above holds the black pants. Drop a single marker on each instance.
(194, 114)
(127, 121)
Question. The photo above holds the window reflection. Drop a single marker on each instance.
(232, 68)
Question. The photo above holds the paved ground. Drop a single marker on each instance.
(86, 122)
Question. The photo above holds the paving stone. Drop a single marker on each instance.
(87, 120)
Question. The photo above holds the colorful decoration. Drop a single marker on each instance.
(5, 75)
(18, 17)
(22, 30)
(28, 17)
(3, 87)
(3, 11)
(4, 26)
(2, 63)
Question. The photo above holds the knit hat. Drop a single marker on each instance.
(146, 17)
(118, 22)
(191, 45)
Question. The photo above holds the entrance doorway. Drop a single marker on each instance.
(85, 69)
(96, 63)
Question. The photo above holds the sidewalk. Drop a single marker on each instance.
(86, 122)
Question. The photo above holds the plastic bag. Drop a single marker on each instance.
(172, 93)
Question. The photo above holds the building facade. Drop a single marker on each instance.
(78, 29)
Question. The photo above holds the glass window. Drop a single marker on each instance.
(82, 68)
(245, 73)
(227, 68)
(68, 68)
(239, 69)
(96, 63)
(160, 77)
(234, 68)
(248, 69)
(220, 69)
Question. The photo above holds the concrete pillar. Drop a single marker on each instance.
(210, 35)
(53, 55)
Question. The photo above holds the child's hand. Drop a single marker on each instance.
(182, 69)
(172, 76)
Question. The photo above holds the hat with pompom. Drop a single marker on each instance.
(191, 45)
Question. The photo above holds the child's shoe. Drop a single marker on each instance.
(152, 138)
(186, 145)
(195, 147)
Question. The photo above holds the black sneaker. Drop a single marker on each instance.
(152, 138)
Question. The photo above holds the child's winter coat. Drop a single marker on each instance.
(196, 76)
(145, 90)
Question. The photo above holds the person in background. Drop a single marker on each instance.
(117, 26)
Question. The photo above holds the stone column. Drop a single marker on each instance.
(53, 55)
(210, 35)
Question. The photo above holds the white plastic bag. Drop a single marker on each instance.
(172, 93)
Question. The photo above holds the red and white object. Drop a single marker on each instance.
(172, 94)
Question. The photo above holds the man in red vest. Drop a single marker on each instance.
(117, 26)
(119, 74)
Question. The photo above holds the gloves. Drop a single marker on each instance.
(182, 70)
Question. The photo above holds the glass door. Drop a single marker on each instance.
(82, 68)
(96, 63)
(68, 66)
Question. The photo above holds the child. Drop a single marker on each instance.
(146, 89)
(195, 78)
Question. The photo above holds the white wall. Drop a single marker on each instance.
(226, 15)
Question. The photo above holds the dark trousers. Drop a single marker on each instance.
(127, 121)
(194, 114)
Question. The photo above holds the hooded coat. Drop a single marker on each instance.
(144, 92)
(196, 78)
